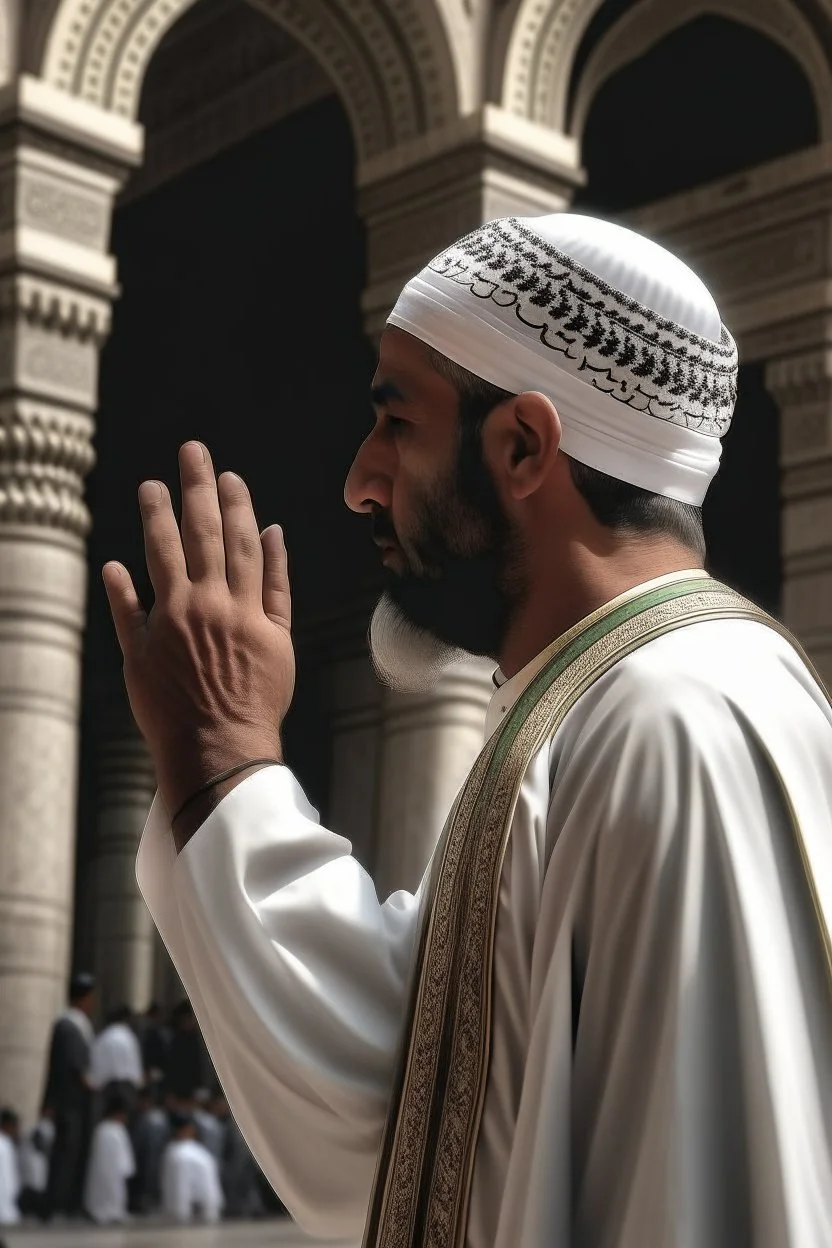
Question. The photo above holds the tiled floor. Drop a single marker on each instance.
(146, 1234)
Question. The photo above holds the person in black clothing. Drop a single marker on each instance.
(155, 1040)
(186, 1059)
(69, 1096)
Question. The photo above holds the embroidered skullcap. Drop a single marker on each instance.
(622, 336)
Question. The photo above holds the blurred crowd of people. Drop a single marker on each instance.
(133, 1124)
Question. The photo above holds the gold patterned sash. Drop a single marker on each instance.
(423, 1179)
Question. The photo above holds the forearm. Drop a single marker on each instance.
(297, 975)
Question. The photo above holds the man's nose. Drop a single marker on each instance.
(368, 486)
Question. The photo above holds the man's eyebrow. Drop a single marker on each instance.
(385, 392)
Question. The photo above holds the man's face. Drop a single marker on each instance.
(449, 551)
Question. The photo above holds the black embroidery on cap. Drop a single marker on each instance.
(638, 358)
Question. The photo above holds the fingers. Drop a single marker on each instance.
(162, 543)
(202, 536)
(128, 615)
(243, 551)
(277, 595)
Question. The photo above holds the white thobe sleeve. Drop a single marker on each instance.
(297, 975)
(700, 1008)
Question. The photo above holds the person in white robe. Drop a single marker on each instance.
(111, 1164)
(116, 1058)
(191, 1189)
(605, 1018)
(9, 1168)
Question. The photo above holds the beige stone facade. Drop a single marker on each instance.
(459, 110)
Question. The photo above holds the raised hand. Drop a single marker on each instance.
(210, 671)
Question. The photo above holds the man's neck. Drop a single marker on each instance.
(563, 597)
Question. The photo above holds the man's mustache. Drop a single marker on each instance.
(383, 528)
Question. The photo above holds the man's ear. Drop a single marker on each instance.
(525, 438)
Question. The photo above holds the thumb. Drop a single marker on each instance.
(277, 594)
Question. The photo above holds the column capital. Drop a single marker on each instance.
(416, 198)
(801, 385)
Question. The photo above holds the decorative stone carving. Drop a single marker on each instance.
(124, 943)
(49, 206)
(389, 60)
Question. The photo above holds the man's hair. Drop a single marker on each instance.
(116, 1104)
(8, 1118)
(615, 504)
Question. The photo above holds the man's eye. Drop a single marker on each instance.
(395, 423)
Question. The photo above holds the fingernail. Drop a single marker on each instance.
(197, 445)
(150, 492)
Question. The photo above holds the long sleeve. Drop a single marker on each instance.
(297, 975)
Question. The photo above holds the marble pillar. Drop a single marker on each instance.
(56, 285)
(802, 387)
(428, 744)
(125, 949)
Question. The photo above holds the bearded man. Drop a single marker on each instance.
(605, 1019)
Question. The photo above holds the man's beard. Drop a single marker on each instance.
(462, 582)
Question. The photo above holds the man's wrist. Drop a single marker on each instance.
(194, 813)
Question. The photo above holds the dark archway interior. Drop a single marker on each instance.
(710, 100)
(238, 323)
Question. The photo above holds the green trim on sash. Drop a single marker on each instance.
(426, 1161)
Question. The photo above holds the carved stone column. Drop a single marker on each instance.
(124, 934)
(418, 198)
(415, 200)
(56, 282)
(802, 386)
(429, 743)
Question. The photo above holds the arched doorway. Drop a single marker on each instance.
(710, 99)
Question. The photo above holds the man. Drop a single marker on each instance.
(111, 1163)
(155, 1040)
(116, 1059)
(151, 1133)
(185, 1065)
(610, 996)
(190, 1176)
(68, 1095)
(9, 1167)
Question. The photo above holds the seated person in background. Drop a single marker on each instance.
(111, 1164)
(9, 1169)
(190, 1176)
(33, 1154)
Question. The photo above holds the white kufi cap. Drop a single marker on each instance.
(622, 336)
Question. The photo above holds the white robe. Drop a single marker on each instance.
(111, 1163)
(190, 1182)
(661, 1072)
(116, 1056)
(9, 1181)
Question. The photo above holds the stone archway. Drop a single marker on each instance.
(540, 42)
